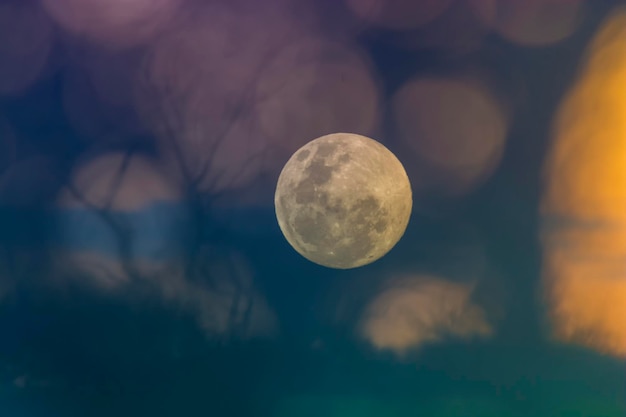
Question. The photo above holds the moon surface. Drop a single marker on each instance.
(343, 200)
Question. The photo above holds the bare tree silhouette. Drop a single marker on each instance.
(198, 271)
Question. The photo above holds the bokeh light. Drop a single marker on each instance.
(197, 91)
(460, 29)
(455, 128)
(584, 200)
(314, 87)
(112, 182)
(120, 213)
(422, 310)
(142, 267)
(531, 22)
(113, 23)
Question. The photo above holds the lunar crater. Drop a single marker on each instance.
(343, 200)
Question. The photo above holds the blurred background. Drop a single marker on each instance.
(142, 270)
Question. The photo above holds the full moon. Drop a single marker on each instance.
(343, 200)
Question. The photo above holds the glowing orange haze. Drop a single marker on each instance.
(585, 255)
(421, 310)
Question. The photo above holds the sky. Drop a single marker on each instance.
(142, 267)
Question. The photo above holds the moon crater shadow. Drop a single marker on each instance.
(343, 201)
